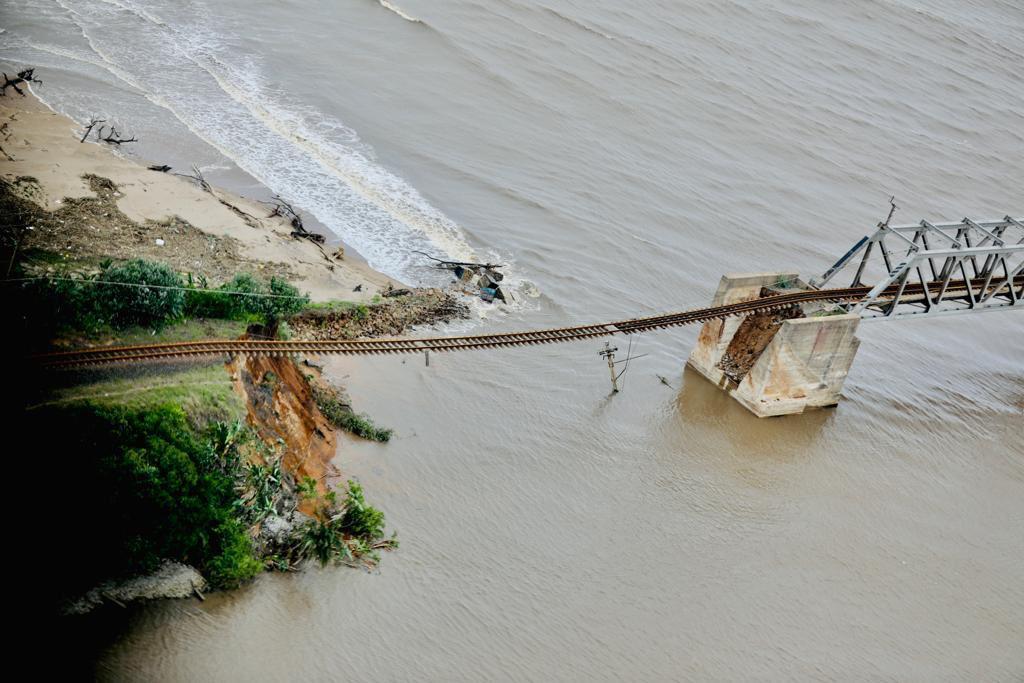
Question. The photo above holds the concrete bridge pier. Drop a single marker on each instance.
(777, 363)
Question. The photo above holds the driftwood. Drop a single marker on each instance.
(25, 76)
(286, 211)
(88, 128)
(451, 265)
(113, 137)
(197, 177)
(162, 168)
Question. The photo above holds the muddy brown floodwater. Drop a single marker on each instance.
(619, 157)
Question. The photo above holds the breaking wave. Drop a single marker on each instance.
(311, 158)
(398, 10)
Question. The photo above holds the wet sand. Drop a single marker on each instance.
(46, 146)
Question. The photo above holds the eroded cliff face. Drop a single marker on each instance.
(280, 405)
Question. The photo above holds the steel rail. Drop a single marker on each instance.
(115, 354)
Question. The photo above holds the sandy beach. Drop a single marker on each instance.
(617, 162)
(215, 234)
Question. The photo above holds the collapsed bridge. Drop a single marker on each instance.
(987, 255)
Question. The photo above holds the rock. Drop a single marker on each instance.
(171, 580)
(275, 530)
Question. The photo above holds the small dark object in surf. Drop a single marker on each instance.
(163, 168)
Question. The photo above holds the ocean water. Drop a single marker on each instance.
(619, 157)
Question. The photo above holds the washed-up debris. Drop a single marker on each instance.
(286, 211)
(26, 76)
(481, 279)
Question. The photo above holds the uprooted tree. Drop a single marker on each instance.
(286, 211)
(113, 137)
(88, 129)
(24, 76)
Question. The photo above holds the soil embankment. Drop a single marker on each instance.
(281, 408)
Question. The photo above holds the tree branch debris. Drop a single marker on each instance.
(197, 177)
(88, 128)
(113, 137)
(25, 76)
(286, 211)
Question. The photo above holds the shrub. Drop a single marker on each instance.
(236, 562)
(307, 488)
(354, 532)
(201, 303)
(323, 540)
(244, 297)
(140, 305)
(240, 299)
(286, 302)
(152, 489)
(341, 416)
(362, 426)
(361, 520)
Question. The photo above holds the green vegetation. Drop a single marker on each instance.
(147, 294)
(361, 520)
(154, 489)
(341, 415)
(157, 487)
(354, 530)
(330, 305)
(187, 329)
(204, 393)
(307, 488)
(245, 297)
(360, 425)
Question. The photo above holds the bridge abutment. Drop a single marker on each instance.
(777, 363)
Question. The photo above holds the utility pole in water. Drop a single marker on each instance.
(609, 354)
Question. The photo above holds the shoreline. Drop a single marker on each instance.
(41, 144)
(74, 209)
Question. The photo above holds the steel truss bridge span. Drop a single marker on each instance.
(970, 290)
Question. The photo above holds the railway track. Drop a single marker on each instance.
(120, 354)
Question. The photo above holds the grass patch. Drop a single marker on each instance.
(341, 415)
(205, 394)
(360, 425)
(186, 330)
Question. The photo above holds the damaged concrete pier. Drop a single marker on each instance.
(780, 362)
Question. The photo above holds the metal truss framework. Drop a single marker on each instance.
(936, 255)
